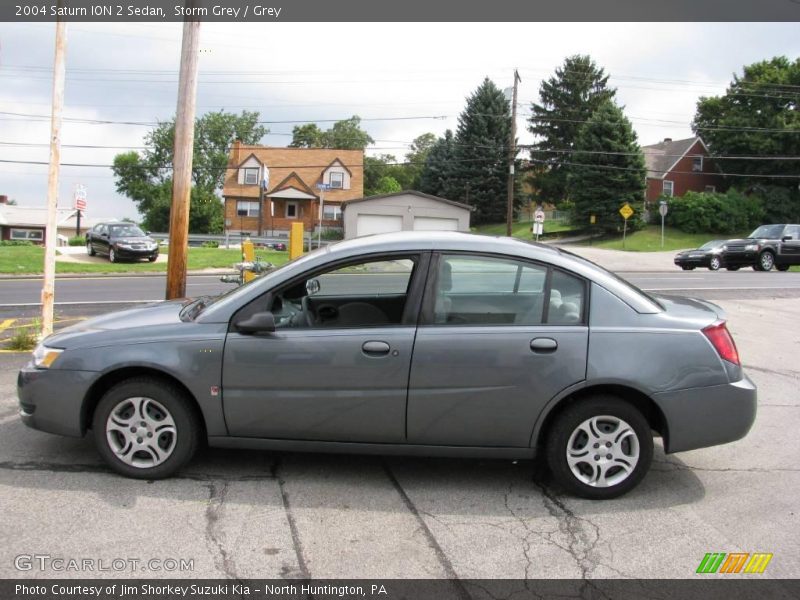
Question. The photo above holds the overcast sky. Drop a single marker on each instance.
(315, 71)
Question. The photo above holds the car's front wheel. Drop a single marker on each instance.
(146, 428)
(715, 263)
(600, 447)
(90, 249)
(152, 258)
(112, 255)
(766, 261)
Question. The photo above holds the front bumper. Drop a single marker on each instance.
(51, 400)
(135, 252)
(739, 259)
(707, 416)
(693, 261)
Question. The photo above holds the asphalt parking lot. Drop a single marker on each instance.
(267, 515)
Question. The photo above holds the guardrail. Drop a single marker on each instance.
(230, 239)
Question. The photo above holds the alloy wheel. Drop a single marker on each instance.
(766, 261)
(715, 264)
(603, 451)
(141, 432)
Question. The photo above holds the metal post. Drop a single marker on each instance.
(624, 232)
(662, 231)
(182, 162)
(321, 210)
(512, 153)
(51, 235)
(78, 223)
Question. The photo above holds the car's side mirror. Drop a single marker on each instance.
(260, 322)
(786, 238)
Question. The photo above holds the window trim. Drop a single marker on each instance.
(27, 231)
(248, 171)
(427, 313)
(250, 204)
(694, 158)
(710, 189)
(286, 206)
(671, 193)
(330, 180)
(337, 214)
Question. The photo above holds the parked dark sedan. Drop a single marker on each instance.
(120, 241)
(421, 343)
(708, 255)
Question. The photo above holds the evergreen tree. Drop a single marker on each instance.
(567, 100)
(608, 170)
(479, 171)
(437, 172)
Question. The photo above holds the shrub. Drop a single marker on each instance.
(211, 244)
(25, 337)
(332, 234)
(728, 213)
(15, 243)
(77, 240)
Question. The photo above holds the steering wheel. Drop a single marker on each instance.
(308, 311)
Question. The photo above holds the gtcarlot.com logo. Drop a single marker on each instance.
(46, 562)
(735, 562)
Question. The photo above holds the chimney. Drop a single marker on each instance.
(3, 199)
(667, 140)
(236, 151)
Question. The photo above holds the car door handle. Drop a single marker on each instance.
(544, 345)
(375, 348)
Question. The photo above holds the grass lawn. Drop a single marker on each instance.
(649, 240)
(522, 229)
(29, 259)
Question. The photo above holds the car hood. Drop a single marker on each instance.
(139, 318)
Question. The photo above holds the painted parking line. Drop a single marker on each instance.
(6, 324)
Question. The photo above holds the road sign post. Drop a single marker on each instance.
(79, 204)
(626, 211)
(663, 208)
(538, 223)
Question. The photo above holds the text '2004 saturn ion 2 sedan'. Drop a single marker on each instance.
(419, 343)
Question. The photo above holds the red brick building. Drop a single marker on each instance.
(267, 189)
(675, 167)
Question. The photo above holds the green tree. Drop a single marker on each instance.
(146, 177)
(608, 169)
(387, 185)
(479, 170)
(437, 172)
(416, 157)
(757, 116)
(344, 135)
(566, 101)
(385, 166)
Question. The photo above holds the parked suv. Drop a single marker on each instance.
(767, 246)
(120, 241)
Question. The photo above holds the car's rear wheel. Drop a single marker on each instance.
(732, 268)
(90, 249)
(714, 264)
(112, 255)
(146, 428)
(766, 261)
(599, 448)
(782, 267)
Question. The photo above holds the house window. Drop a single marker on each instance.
(697, 164)
(332, 212)
(337, 179)
(27, 234)
(291, 210)
(245, 208)
(251, 176)
(667, 190)
(710, 189)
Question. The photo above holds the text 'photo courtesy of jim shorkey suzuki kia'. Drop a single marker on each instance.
(422, 343)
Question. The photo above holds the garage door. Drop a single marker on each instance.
(435, 224)
(369, 224)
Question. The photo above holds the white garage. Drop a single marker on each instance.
(403, 211)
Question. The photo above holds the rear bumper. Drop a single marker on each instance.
(707, 416)
(51, 400)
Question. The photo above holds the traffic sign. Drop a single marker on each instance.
(663, 208)
(323, 186)
(79, 197)
(538, 216)
(626, 211)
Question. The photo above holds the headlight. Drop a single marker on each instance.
(751, 247)
(43, 356)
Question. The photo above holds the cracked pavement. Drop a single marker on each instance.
(240, 514)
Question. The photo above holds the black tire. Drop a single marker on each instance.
(560, 432)
(714, 264)
(685, 268)
(188, 427)
(90, 249)
(766, 260)
(152, 258)
(112, 256)
(782, 267)
(732, 268)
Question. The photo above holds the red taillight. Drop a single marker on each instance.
(723, 343)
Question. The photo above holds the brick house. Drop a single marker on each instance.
(267, 189)
(675, 167)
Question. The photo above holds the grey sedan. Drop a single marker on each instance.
(417, 343)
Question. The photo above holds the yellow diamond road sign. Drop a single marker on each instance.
(626, 211)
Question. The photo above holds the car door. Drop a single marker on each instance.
(340, 377)
(498, 338)
(790, 249)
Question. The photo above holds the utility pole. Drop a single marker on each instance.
(512, 154)
(182, 162)
(50, 237)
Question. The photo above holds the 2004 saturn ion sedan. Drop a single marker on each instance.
(442, 344)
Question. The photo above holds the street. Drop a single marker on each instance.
(285, 515)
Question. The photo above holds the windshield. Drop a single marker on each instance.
(772, 232)
(125, 231)
(711, 245)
